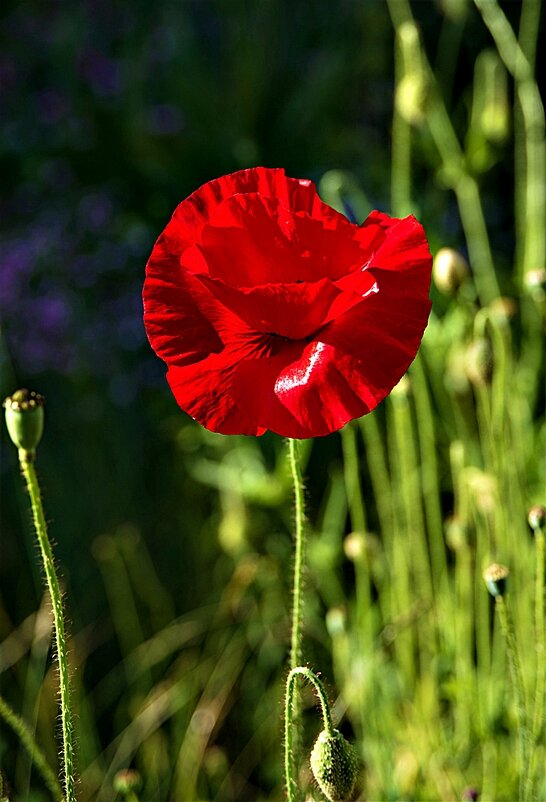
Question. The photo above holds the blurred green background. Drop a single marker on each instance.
(173, 543)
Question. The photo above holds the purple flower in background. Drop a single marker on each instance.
(95, 211)
(101, 72)
(165, 120)
(52, 106)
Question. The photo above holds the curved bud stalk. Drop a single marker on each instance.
(334, 761)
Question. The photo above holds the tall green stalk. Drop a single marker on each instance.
(456, 175)
(518, 688)
(292, 710)
(299, 559)
(67, 726)
(532, 115)
(289, 745)
(540, 637)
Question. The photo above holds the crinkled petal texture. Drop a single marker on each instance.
(273, 312)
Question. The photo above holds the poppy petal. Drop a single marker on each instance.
(252, 239)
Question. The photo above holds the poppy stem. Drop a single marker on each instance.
(310, 676)
(299, 560)
(292, 712)
(29, 474)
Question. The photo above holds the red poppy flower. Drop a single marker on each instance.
(273, 311)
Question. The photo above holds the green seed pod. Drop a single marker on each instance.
(25, 420)
(496, 577)
(334, 763)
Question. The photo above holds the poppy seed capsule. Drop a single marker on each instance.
(495, 578)
(25, 420)
(536, 517)
(334, 763)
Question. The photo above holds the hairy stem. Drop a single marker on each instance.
(299, 561)
(29, 474)
(310, 676)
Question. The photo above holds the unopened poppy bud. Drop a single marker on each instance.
(454, 9)
(535, 282)
(450, 270)
(503, 308)
(496, 577)
(25, 420)
(336, 620)
(536, 517)
(354, 546)
(491, 102)
(478, 362)
(456, 533)
(411, 97)
(334, 763)
(412, 91)
(127, 781)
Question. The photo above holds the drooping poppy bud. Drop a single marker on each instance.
(478, 362)
(334, 763)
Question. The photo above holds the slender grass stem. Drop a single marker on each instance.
(38, 758)
(540, 636)
(310, 676)
(357, 513)
(401, 149)
(429, 468)
(518, 689)
(532, 115)
(352, 478)
(410, 490)
(379, 472)
(464, 185)
(529, 29)
(464, 612)
(67, 726)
